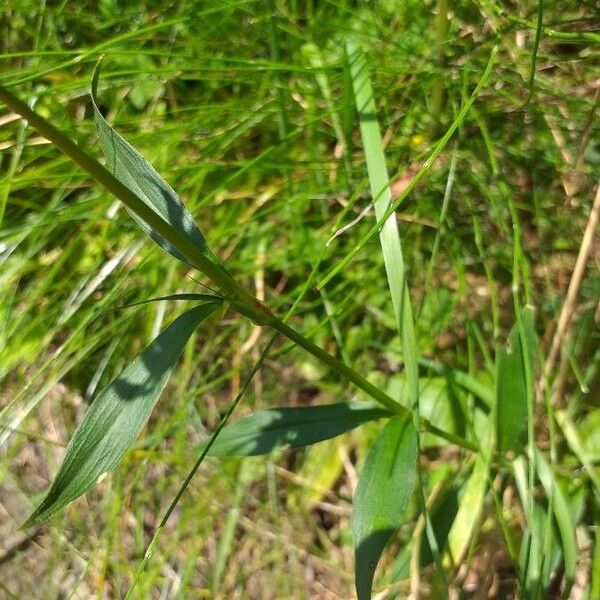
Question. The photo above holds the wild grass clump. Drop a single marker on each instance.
(367, 297)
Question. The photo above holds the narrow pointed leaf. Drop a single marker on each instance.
(467, 518)
(511, 389)
(185, 296)
(116, 417)
(566, 526)
(265, 430)
(133, 171)
(389, 236)
(382, 496)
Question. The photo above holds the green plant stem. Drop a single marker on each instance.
(213, 270)
(536, 45)
(438, 94)
(342, 369)
(241, 299)
(367, 387)
(213, 438)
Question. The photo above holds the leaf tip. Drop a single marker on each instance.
(35, 518)
(96, 76)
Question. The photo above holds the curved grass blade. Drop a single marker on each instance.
(384, 490)
(467, 518)
(184, 296)
(511, 387)
(266, 430)
(116, 417)
(133, 171)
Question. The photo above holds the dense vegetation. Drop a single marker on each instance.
(488, 116)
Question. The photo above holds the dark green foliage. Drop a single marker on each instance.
(118, 414)
(382, 496)
(266, 430)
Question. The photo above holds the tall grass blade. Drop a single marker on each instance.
(384, 490)
(382, 200)
(435, 153)
(390, 245)
(116, 417)
(472, 502)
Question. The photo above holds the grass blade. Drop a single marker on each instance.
(384, 490)
(468, 515)
(116, 417)
(382, 200)
(265, 430)
(560, 507)
(512, 387)
(390, 241)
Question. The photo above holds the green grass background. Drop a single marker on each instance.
(247, 109)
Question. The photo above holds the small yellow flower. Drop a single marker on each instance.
(417, 140)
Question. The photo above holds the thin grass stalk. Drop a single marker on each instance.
(213, 438)
(241, 300)
(536, 45)
(438, 92)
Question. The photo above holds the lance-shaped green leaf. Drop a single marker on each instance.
(564, 519)
(389, 235)
(116, 417)
(133, 171)
(382, 496)
(266, 430)
(514, 361)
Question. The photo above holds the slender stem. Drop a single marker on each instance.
(213, 270)
(342, 369)
(438, 93)
(242, 300)
(536, 45)
(363, 384)
(213, 438)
